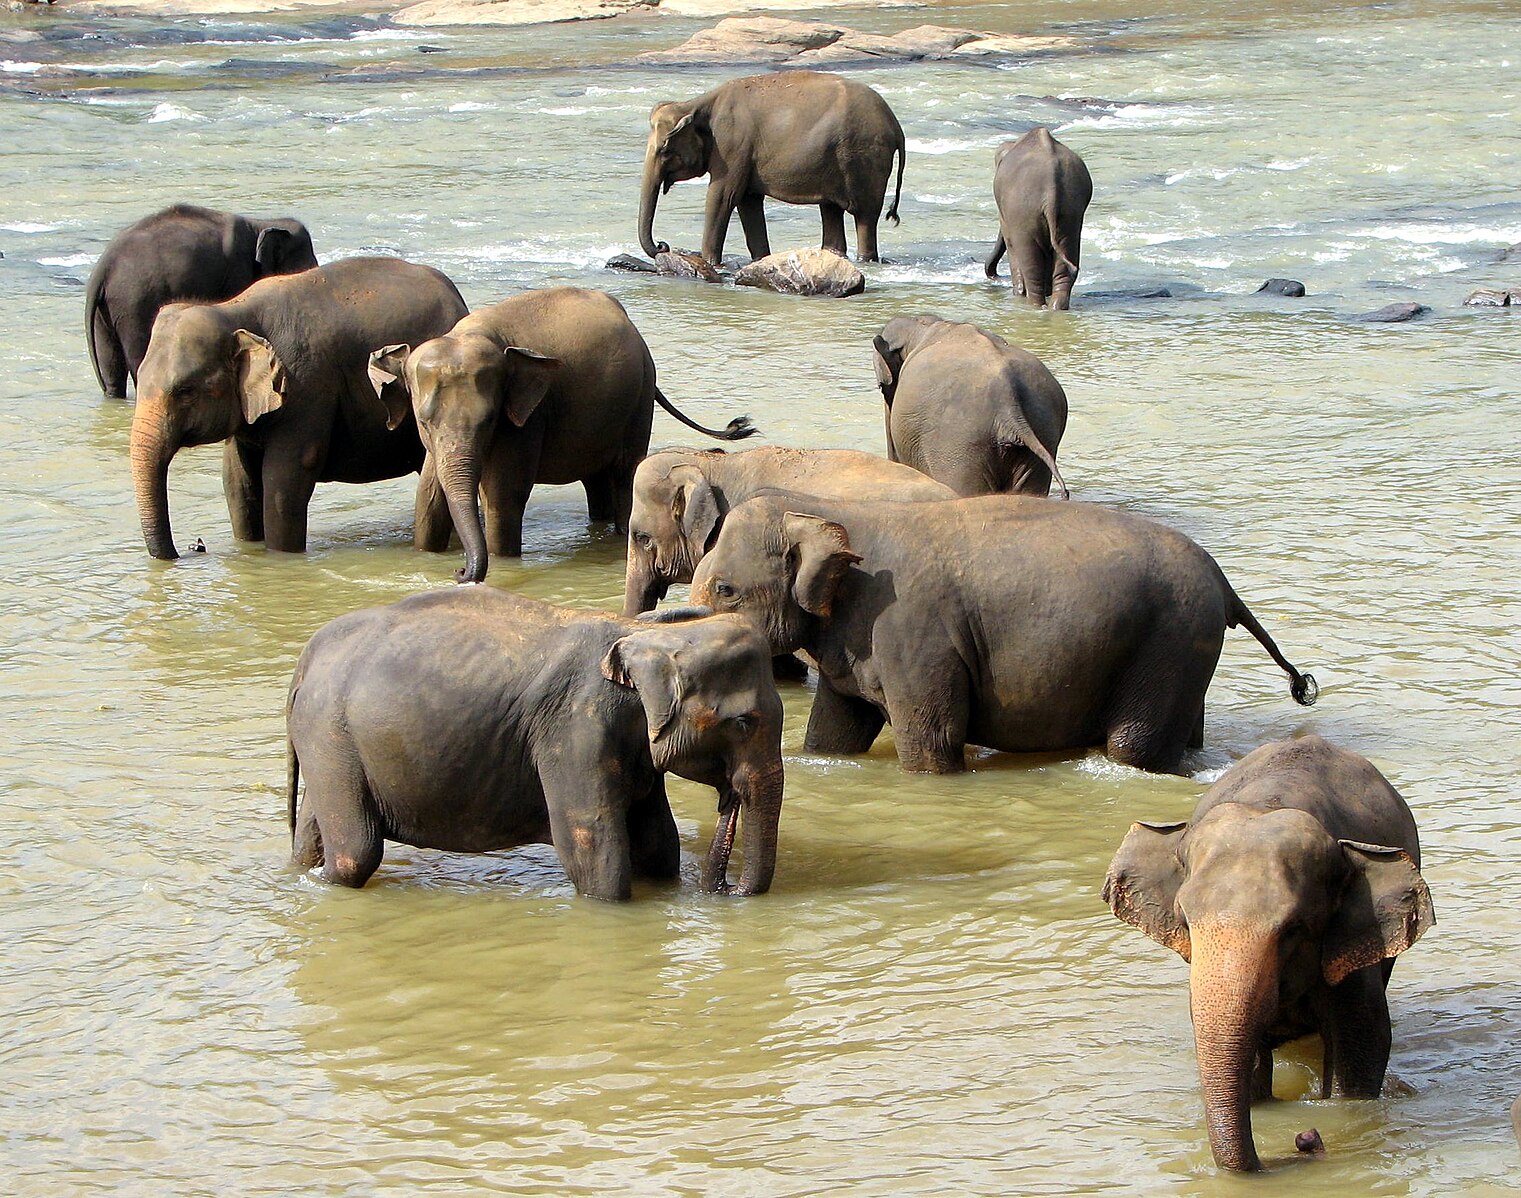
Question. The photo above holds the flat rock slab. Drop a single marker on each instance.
(1292, 288)
(804, 272)
(1394, 313)
(540, 12)
(1492, 297)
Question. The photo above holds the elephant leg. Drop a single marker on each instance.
(929, 715)
(134, 336)
(866, 235)
(588, 824)
(719, 208)
(110, 358)
(752, 219)
(507, 482)
(288, 487)
(887, 421)
(1357, 1036)
(1196, 738)
(654, 845)
(834, 228)
(1157, 703)
(787, 667)
(1034, 262)
(337, 822)
(1262, 1075)
(243, 485)
(600, 503)
(431, 522)
(841, 723)
(306, 842)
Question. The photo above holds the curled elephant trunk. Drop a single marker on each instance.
(759, 795)
(643, 585)
(649, 195)
(152, 449)
(459, 474)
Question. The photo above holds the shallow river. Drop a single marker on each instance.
(933, 999)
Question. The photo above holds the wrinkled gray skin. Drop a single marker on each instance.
(969, 409)
(1006, 621)
(801, 137)
(473, 719)
(682, 495)
(552, 386)
(280, 374)
(1289, 893)
(182, 254)
(1042, 189)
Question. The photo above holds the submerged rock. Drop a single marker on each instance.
(1292, 288)
(683, 264)
(1130, 293)
(804, 272)
(1394, 313)
(1490, 297)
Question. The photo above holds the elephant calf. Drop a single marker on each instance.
(1004, 621)
(1289, 893)
(1042, 189)
(474, 719)
(682, 495)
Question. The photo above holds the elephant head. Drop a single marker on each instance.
(714, 717)
(460, 385)
(676, 512)
(679, 147)
(202, 380)
(782, 570)
(1260, 902)
(283, 247)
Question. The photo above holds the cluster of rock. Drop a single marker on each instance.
(1494, 297)
(775, 41)
(794, 272)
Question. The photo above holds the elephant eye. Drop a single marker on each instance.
(743, 724)
(723, 590)
(642, 539)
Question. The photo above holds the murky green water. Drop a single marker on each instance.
(933, 999)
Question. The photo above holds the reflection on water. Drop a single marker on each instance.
(934, 998)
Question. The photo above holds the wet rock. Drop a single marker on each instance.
(630, 263)
(1292, 288)
(518, 12)
(1130, 293)
(683, 264)
(1510, 253)
(427, 49)
(1394, 313)
(1490, 297)
(804, 272)
(1309, 1142)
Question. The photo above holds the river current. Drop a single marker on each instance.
(933, 999)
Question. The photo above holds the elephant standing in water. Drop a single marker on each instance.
(1006, 621)
(969, 409)
(682, 495)
(552, 386)
(1289, 893)
(473, 719)
(183, 253)
(279, 373)
(801, 137)
(1042, 189)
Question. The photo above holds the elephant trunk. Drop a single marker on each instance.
(758, 792)
(643, 585)
(649, 195)
(1233, 985)
(459, 475)
(152, 449)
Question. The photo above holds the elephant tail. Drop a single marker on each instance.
(892, 213)
(96, 315)
(1303, 687)
(737, 429)
(292, 780)
(1058, 242)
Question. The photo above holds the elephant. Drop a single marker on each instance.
(802, 137)
(1289, 892)
(1042, 189)
(472, 719)
(682, 495)
(1006, 621)
(182, 253)
(969, 409)
(279, 373)
(551, 386)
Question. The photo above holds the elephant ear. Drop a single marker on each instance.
(1384, 909)
(261, 376)
(888, 362)
(271, 247)
(1143, 880)
(818, 555)
(645, 662)
(529, 376)
(387, 371)
(694, 507)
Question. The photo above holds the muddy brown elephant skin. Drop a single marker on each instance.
(551, 386)
(473, 719)
(1006, 621)
(281, 374)
(1042, 189)
(180, 254)
(1289, 893)
(969, 409)
(802, 137)
(682, 495)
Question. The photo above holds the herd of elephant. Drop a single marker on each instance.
(937, 589)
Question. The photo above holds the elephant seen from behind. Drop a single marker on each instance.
(280, 374)
(1042, 189)
(551, 386)
(969, 409)
(1289, 892)
(802, 137)
(473, 719)
(180, 254)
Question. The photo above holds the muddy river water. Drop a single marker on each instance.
(933, 999)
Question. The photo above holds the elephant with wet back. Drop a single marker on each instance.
(180, 254)
(551, 386)
(802, 137)
(1042, 189)
(1289, 892)
(280, 374)
(472, 719)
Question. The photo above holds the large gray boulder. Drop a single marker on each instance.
(803, 272)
